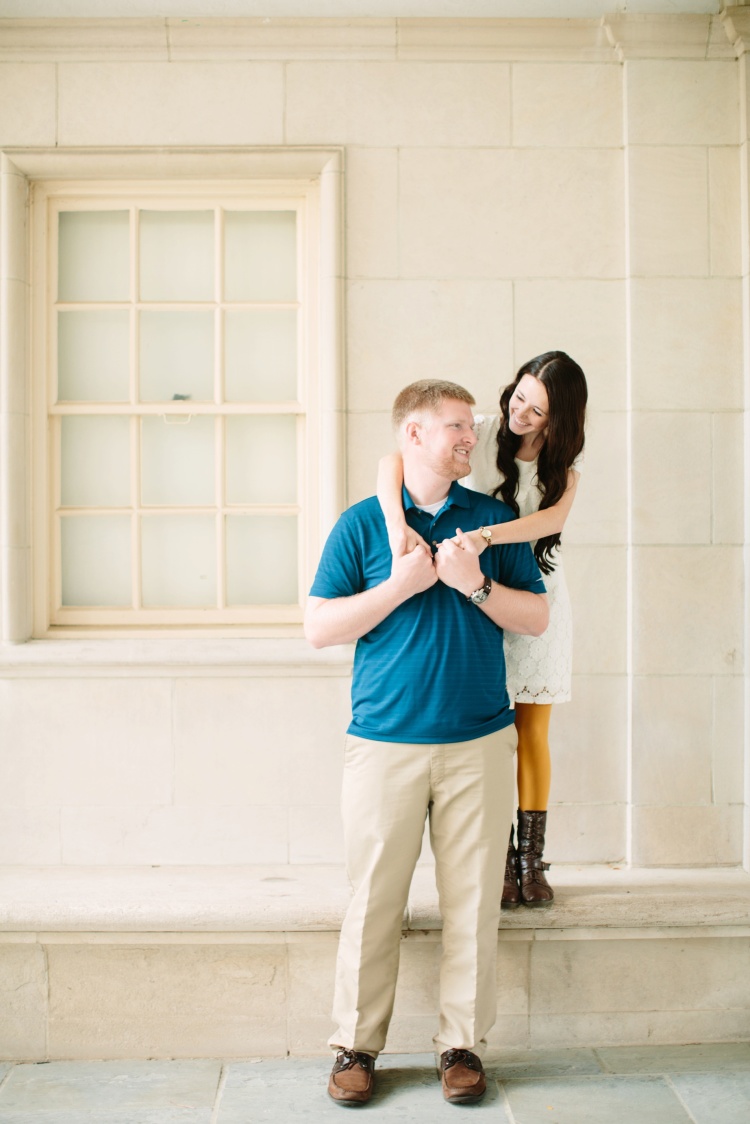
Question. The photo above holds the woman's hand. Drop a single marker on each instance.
(457, 564)
(402, 539)
(474, 537)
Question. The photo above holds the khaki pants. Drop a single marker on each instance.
(466, 789)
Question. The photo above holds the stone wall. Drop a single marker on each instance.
(510, 187)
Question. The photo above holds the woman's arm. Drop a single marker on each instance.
(342, 620)
(401, 537)
(540, 524)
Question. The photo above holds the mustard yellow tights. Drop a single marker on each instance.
(534, 764)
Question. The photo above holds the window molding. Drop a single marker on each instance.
(20, 169)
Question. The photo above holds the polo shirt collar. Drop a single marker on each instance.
(457, 497)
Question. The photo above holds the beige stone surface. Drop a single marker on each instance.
(182, 103)
(584, 318)
(667, 640)
(98, 742)
(23, 1001)
(14, 258)
(398, 103)
(688, 835)
(597, 582)
(210, 834)
(728, 470)
(208, 905)
(668, 203)
(516, 213)
(588, 740)
(672, 719)
(371, 179)
(635, 1027)
(672, 101)
(401, 331)
(182, 1001)
(588, 977)
(311, 959)
(675, 369)
(599, 512)
(233, 744)
(14, 392)
(582, 832)
(724, 211)
(279, 37)
(573, 104)
(16, 518)
(27, 103)
(315, 831)
(369, 437)
(29, 835)
(728, 738)
(672, 462)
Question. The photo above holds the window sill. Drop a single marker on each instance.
(168, 657)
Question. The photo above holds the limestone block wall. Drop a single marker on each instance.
(510, 187)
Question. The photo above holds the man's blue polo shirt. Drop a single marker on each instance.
(434, 669)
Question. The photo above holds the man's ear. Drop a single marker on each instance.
(412, 433)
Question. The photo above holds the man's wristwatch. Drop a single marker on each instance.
(480, 595)
(486, 534)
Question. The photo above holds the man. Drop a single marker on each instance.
(431, 735)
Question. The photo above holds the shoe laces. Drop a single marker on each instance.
(345, 1059)
(453, 1057)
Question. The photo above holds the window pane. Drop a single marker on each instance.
(260, 255)
(93, 356)
(261, 355)
(177, 255)
(262, 459)
(261, 560)
(95, 560)
(177, 356)
(179, 561)
(95, 462)
(177, 461)
(93, 256)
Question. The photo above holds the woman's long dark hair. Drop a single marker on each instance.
(565, 384)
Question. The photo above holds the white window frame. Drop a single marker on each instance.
(40, 176)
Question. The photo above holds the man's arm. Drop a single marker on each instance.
(342, 620)
(516, 610)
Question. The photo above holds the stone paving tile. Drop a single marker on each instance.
(532, 1064)
(713, 1057)
(715, 1097)
(591, 1100)
(407, 1089)
(131, 1092)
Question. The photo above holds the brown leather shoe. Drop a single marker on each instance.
(511, 898)
(352, 1077)
(462, 1076)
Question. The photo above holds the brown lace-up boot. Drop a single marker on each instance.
(535, 889)
(511, 898)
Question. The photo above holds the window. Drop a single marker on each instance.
(186, 401)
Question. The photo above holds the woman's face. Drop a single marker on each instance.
(528, 408)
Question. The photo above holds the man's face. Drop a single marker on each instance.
(446, 439)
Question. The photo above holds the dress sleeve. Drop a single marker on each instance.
(578, 463)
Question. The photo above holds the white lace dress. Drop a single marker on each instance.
(538, 667)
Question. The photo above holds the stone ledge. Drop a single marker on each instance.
(188, 656)
(591, 901)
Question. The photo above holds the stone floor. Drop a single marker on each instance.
(649, 1085)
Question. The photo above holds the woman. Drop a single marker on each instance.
(529, 456)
